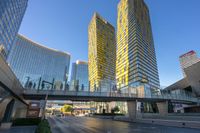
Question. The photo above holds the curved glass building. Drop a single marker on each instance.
(38, 67)
(11, 15)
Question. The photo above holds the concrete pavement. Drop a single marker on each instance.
(93, 125)
(20, 129)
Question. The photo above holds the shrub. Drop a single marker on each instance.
(115, 109)
(43, 127)
(26, 121)
(108, 114)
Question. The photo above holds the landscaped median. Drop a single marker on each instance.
(106, 115)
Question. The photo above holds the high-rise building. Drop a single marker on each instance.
(101, 53)
(11, 14)
(136, 59)
(79, 76)
(188, 59)
(38, 67)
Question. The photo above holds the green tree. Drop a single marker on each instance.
(67, 108)
(115, 109)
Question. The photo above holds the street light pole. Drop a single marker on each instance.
(27, 82)
(46, 97)
(45, 102)
(39, 83)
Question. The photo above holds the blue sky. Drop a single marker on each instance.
(63, 24)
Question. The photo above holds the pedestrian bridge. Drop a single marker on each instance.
(103, 96)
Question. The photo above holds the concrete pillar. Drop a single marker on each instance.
(19, 110)
(163, 108)
(3, 105)
(132, 109)
(7, 111)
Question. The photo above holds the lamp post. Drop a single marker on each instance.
(45, 102)
(39, 83)
(27, 82)
(47, 94)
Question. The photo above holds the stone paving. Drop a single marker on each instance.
(24, 129)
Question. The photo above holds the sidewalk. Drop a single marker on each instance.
(163, 122)
(20, 129)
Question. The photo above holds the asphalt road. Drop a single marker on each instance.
(93, 125)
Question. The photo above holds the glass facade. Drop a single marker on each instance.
(11, 14)
(135, 59)
(38, 67)
(101, 53)
(79, 76)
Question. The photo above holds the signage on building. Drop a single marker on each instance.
(188, 54)
(33, 110)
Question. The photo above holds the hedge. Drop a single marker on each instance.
(26, 121)
(43, 127)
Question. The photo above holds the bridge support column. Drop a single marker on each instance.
(163, 108)
(3, 105)
(19, 110)
(9, 109)
(7, 113)
(132, 109)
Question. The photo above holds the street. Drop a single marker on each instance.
(93, 125)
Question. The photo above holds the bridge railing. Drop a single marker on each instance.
(110, 94)
(177, 97)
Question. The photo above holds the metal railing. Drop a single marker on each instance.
(110, 95)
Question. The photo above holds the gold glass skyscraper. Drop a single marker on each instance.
(101, 53)
(135, 60)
